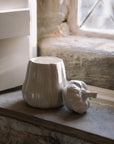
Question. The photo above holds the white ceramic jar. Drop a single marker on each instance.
(44, 82)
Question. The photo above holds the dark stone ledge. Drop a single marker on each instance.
(95, 126)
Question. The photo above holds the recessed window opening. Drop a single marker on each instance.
(96, 16)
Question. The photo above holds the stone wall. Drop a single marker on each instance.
(57, 18)
(16, 132)
(51, 13)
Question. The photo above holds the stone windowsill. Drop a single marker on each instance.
(87, 59)
(96, 126)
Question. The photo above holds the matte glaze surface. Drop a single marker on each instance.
(76, 96)
(45, 79)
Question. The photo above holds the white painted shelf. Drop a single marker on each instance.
(18, 40)
(14, 22)
(14, 56)
(13, 4)
(14, 10)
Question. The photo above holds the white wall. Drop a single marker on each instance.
(17, 40)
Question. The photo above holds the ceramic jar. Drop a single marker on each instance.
(45, 79)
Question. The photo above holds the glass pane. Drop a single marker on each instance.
(83, 9)
(97, 16)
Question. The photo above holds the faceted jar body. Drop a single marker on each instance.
(45, 79)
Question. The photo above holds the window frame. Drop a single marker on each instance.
(73, 24)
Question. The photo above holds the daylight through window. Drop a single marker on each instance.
(96, 15)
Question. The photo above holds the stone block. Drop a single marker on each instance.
(88, 59)
(25, 133)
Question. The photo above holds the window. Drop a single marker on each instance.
(96, 15)
(92, 18)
